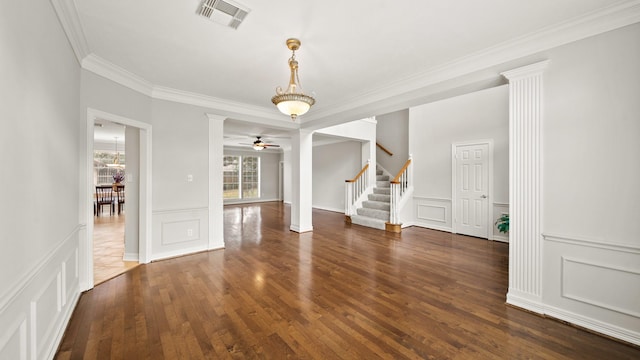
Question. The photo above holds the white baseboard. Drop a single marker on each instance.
(434, 227)
(237, 202)
(328, 209)
(176, 253)
(501, 238)
(594, 325)
(130, 257)
(525, 303)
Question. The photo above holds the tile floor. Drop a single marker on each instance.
(108, 247)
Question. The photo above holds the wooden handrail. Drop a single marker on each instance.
(359, 174)
(384, 149)
(395, 179)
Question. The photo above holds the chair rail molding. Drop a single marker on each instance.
(594, 243)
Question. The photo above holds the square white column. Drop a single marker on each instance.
(216, 202)
(302, 180)
(525, 186)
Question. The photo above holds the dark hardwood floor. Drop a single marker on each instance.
(339, 292)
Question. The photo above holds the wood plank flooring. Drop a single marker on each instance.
(339, 292)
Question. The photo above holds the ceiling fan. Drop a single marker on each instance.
(259, 144)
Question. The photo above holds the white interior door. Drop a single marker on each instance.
(471, 191)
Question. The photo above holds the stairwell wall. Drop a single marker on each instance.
(433, 128)
(332, 165)
(392, 132)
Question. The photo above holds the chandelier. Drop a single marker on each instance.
(116, 158)
(293, 101)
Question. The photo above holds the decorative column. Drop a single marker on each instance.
(302, 184)
(216, 202)
(525, 186)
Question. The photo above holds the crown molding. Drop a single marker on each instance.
(222, 105)
(617, 15)
(106, 69)
(70, 21)
(526, 71)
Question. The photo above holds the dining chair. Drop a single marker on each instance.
(104, 196)
(120, 197)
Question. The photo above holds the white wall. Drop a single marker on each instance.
(132, 191)
(39, 219)
(180, 145)
(392, 132)
(591, 198)
(269, 177)
(180, 205)
(332, 165)
(286, 158)
(434, 127)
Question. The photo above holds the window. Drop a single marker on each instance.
(231, 180)
(250, 177)
(103, 170)
(241, 177)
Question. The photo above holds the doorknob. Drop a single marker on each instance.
(483, 197)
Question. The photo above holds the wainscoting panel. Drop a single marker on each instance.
(578, 278)
(594, 284)
(499, 209)
(45, 309)
(432, 213)
(35, 310)
(179, 232)
(13, 340)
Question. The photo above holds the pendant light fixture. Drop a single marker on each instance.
(293, 101)
(116, 158)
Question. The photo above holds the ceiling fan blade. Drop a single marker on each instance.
(271, 145)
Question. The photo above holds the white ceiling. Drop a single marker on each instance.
(350, 49)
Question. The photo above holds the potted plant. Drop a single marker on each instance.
(503, 223)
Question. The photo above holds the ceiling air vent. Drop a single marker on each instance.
(227, 12)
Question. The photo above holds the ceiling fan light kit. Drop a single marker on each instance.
(259, 144)
(293, 101)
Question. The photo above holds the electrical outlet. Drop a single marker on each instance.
(189, 178)
(189, 232)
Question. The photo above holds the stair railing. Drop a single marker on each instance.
(355, 188)
(384, 149)
(399, 186)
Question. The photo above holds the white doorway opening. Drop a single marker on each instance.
(86, 195)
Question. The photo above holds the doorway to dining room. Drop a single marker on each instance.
(134, 218)
(113, 178)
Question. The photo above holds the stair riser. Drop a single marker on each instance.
(379, 197)
(379, 205)
(382, 178)
(373, 213)
(382, 191)
(383, 184)
(368, 222)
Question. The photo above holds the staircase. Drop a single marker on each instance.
(375, 212)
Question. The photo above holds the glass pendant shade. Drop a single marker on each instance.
(293, 101)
